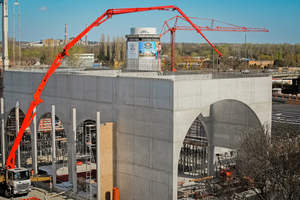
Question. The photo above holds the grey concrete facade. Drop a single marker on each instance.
(152, 114)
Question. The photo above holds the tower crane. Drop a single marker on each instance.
(167, 28)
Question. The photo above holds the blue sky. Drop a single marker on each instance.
(42, 19)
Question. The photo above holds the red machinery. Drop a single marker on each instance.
(10, 163)
(166, 28)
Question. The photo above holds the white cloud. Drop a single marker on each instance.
(43, 8)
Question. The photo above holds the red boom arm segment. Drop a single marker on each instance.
(10, 163)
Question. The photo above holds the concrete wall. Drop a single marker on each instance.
(152, 116)
(142, 64)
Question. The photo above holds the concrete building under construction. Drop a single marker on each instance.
(152, 118)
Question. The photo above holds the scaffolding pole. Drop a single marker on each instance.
(34, 157)
(17, 131)
(74, 170)
(98, 157)
(53, 147)
(2, 133)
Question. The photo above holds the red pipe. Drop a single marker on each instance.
(115, 193)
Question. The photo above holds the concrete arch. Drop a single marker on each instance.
(224, 121)
(61, 130)
(193, 154)
(8, 113)
(10, 129)
(78, 123)
(211, 114)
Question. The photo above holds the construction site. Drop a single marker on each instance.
(133, 133)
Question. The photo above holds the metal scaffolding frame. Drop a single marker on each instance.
(89, 157)
(25, 145)
(193, 154)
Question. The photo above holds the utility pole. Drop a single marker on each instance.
(4, 42)
(213, 59)
(245, 46)
(245, 50)
(14, 37)
(4, 35)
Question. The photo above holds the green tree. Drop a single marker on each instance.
(278, 61)
(264, 57)
(73, 58)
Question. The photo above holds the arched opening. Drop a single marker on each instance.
(25, 144)
(193, 153)
(208, 146)
(44, 142)
(193, 158)
(107, 195)
(86, 156)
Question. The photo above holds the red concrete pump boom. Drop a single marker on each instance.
(10, 163)
(167, 28)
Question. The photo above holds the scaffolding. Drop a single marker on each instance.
(89, 157)
(25, 145)
(194, 152)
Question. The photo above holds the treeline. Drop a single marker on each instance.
(106, 51)
(284, 55)
(110, 50)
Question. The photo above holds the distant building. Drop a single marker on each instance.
(52, 42)
(261, 63)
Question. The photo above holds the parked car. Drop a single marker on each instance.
(244, 71)
(267, 70)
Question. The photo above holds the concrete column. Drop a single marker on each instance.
(211, 146)
(74, 167)
(53, 146)
(98, 158)
(210, 160)
(34, 145)
(2, 133)
(17, 132)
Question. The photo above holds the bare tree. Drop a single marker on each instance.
(103, 48)
(266, 166)
(117, 48)
(109, 53)
(123, 48)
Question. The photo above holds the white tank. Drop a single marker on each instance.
(139, 31)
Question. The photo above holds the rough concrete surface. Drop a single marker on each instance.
(41, 194)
